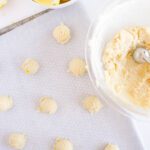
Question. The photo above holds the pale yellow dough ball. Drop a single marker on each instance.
(111, 147)
(63, 144)
(30, 66)
(77, 67)
(92, 104)
(47, 105)
(6, 103)
(17, 141)
(62, 34)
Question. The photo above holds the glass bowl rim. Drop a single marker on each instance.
(123, 110)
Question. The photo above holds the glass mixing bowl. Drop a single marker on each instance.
(119, 14)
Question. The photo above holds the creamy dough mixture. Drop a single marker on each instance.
(126, 77)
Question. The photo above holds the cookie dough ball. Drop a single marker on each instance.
(63, 144)
(62, 34)
(17, 141)
(111, 147)
(77, 67)
(6, 103)
(30, 66)
(47, 105)
(92, 104)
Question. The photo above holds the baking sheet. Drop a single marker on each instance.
(34, 40)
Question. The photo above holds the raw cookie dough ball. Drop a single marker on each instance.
(17, 140)
(30, 66)
(47, 105)
(77, 67)
(92, 104)
(62, 34)
(63, 144)
(6, 103)
(111, 147)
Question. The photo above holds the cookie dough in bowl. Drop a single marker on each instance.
(116, 34)
(126, 77)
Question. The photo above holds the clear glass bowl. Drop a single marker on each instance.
(119, 14)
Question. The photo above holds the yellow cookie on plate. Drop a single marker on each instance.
(3, 3)
(48, 2)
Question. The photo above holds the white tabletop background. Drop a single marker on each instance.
(92, 8)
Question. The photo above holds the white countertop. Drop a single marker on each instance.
(92, 8)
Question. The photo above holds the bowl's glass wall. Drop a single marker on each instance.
(120, 14)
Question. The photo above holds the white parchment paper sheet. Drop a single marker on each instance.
(35, 40)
